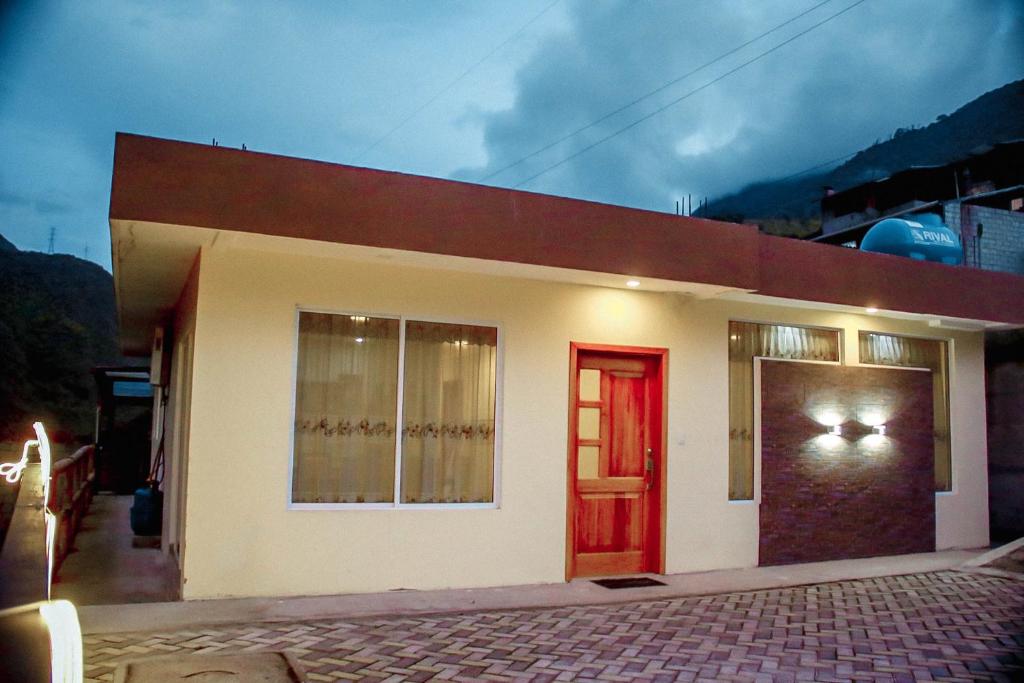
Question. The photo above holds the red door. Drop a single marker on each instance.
(616, 481)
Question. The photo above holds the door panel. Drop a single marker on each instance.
(627, 421)
(610, 522)
(615, 446)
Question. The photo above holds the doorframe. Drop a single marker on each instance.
(660, 356)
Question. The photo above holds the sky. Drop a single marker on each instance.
(464, 89)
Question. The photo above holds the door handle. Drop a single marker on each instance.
(649, 470)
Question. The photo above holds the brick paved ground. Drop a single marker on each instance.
(938, 626)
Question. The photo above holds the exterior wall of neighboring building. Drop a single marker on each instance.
(1004, 360)
(242, 540)
(1001, 245)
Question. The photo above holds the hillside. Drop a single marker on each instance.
(57, 321)
(793, 203)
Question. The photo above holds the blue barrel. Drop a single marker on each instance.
(147, 512)
(920, 236)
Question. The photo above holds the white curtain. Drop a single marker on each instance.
(346, 397)
(910, 352)
(747, 341)
(448, 413)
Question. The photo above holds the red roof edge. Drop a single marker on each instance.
(166, 181)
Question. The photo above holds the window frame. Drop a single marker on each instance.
(950, 356)
(756, 436)
(397, 503)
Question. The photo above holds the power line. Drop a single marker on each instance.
(453, 83)
(683, 97)
(650, 94)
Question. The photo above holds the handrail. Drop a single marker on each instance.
(71, 489)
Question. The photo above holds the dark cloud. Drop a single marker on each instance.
(324, 80)
(878, 67)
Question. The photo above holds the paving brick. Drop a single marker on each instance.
(937, 626)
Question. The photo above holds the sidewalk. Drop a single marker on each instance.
(171, 615)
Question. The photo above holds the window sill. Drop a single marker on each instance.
(392, 506)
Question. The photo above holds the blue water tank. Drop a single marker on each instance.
(919, 236)
(147, 512)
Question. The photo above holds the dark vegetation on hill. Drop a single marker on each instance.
(791, 206)
(57, 321)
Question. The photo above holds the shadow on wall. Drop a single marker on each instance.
(1004, 393)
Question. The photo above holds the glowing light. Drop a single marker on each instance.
(873, 416)
(835, 430)
(633, 283)
(357, 318)
(61, 619)
(12, 471)
(734, 337)
(360, 340)
(878, 429)
(50, 521)
(871, 309)
(829, 415)
(829, 444)
(43, 444)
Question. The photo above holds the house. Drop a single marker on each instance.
(375, 381)
(980, 197)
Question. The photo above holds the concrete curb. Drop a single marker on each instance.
(100, 619)
(995, 554)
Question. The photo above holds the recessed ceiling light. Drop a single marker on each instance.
(632, 283)
(871, 309)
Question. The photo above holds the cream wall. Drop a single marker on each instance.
(242, 539)
(176, 414)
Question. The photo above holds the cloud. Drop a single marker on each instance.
(324, 80)
(878, 67)
(40, 205)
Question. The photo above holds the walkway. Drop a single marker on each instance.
(107, 567)
(943, 625)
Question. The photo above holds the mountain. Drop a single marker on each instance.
(791, 205)
(57, 321)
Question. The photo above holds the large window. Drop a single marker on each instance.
(933, 354)
(746, 342)
(352, 371)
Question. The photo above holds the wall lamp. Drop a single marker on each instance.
(835, 430)
(878, 429)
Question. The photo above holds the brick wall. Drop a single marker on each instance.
(1001, 246)
(859, 495)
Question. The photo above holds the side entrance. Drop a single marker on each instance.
(616, 470)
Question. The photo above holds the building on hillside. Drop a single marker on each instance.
(379, 381)
(981, 198)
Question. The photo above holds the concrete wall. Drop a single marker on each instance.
(177, 416)
(1001, 245)
(243, 540)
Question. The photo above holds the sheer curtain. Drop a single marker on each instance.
(887, 349)
(346, 398)
(448, 413)
(747, 341)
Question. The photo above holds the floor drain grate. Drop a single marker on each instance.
(628, 582)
